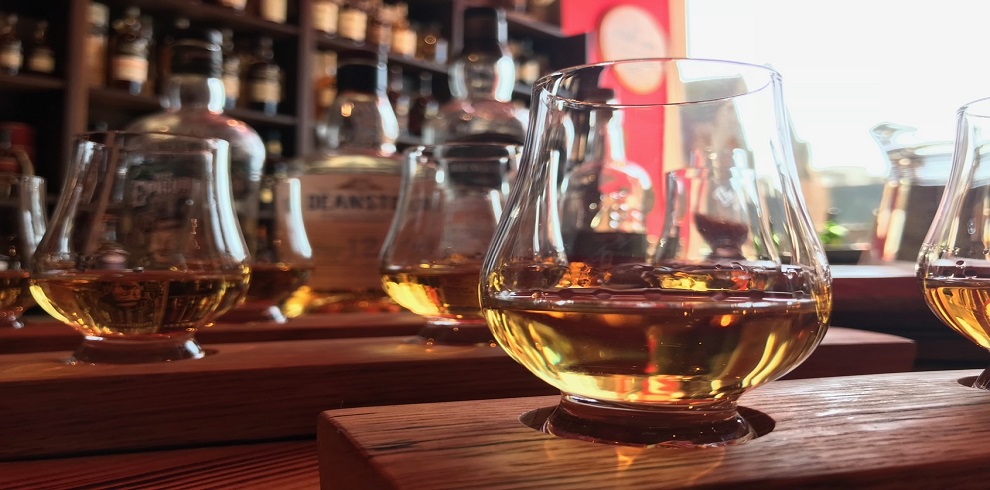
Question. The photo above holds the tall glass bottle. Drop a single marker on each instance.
(264, 79)
(129, 56)
(424, 106)
(351, 189)
(11, 52)
(40, 56)
(481, 81)
(193, 104)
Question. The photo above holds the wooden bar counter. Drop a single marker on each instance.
(893, 431)
(262, 391)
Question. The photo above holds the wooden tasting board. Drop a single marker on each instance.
(274, 390)
(895, 431)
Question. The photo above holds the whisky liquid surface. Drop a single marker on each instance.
(960, 297)
(128, 304)
(680, 343)
(436, 292)
(273, 283)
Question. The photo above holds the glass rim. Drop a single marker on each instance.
(546, 83)
(511, 149)
(979, 108)
(15, 176)
(119, 135)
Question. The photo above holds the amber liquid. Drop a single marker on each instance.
(273, 283)
(682, 337)
(15, 293)
(439, 292)
(130, 304)
(960, 297)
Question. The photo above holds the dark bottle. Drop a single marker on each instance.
(231, 70)
(40, 56)
(11, 52)
(276, 164)
(398, 97)
(163, 62)
(129, 53)
(264, 79)
(13, 158)
(424, 106)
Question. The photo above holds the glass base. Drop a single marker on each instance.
(456, 332)
(11, 321)
(983, 381)
(271, 314)
(630, 425)
(100, 350)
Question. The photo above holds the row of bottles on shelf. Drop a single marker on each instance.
(24, 45)
(271, 10)
(381, 24)
(130, 56)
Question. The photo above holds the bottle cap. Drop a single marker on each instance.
(361, 70)
(484, 26)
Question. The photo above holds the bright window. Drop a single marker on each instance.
(850, 64)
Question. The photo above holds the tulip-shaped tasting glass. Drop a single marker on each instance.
(143, 247)
(655, 259)
(450, 202)
(281, 257)
(954, 260)
(23, 218)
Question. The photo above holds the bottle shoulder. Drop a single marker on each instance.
(203, 123)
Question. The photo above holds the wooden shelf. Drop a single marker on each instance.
(29, 82)
(257, 118)
(524, 25)
(198, 11)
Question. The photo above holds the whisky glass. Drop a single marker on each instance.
(954, 261)
(23, 219)
(281, 259)
(450, 202)
(143, 248)
(656, 260)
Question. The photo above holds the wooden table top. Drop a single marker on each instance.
(892, 431)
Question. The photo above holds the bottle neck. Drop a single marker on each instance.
(193, 91)
(490, 75)
(606, 143)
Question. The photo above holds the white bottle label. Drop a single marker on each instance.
(11, 58)
(353, 24)
(273, 10)
(266, 91)
(404, 42)
(325, 16)
(42, 63)
(347, 217)
(130, 68)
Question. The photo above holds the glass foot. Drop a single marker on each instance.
(630, 425)
(456, 332)
(983, 380)
(99, 350)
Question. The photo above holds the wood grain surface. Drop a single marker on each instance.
(264, 466)
(268, 390)
(43, 333)
(893, 431)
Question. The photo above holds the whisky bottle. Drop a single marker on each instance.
(40, 56)
(398, 98)
(352, 22)
(380, 24)
(350, 190)
(231, 70)
(193, 104)
(325, 85)
(403, 35)
(424, 106)
(481, 82)
(325, 14)
(11, 52)
(96, 45)
(264, 79)
(129, 55)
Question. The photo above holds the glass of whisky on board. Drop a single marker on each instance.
(143, 247)
(281, 256)
(954, 261)
(655, 260)
(449, 205)
(23, 218)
